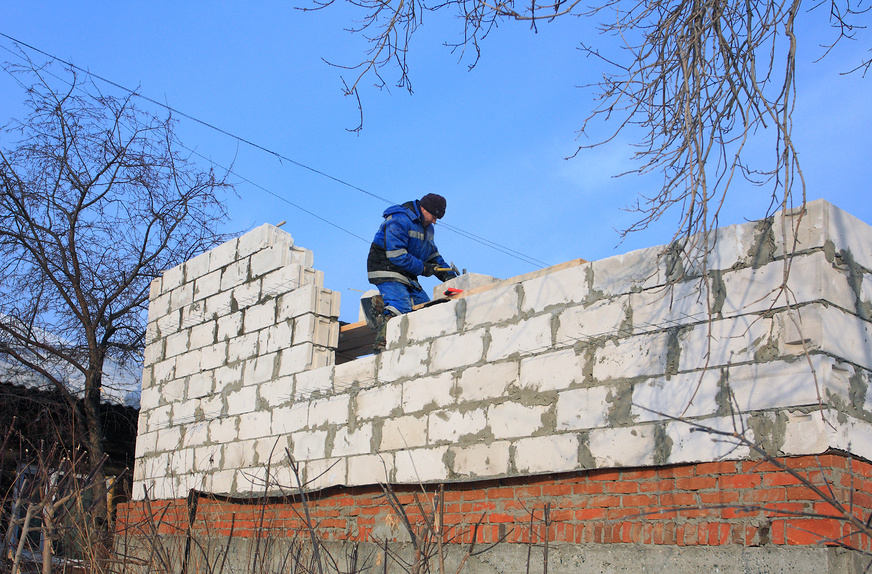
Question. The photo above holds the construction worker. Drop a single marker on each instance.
(402, 250)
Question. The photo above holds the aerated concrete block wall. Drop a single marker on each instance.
(581, 368)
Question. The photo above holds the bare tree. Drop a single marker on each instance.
(95, 202)
(697, 80)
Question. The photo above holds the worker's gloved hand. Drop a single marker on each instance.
(429, 269)
(445, 275)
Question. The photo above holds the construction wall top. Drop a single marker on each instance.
(613, 363)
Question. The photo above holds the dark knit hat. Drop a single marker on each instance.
(433, 203)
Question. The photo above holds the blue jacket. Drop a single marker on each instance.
(401, 247)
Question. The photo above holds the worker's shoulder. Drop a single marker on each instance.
(399, 213)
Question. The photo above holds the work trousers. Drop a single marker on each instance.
(400, 298)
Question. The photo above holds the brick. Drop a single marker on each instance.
(527, 337)
(456, 351)
(507, 420)
(487, 381)
(552, 371)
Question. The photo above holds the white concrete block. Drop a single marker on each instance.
(169, 439)
(213, 356)
(296, 359)
(227, 376)
(637, 270)
(276, 392)
(828, 329)
(155, 288)
(254, 425)
(622, 447)
(427, 391)
(193, 314)
(497, 305)
(290, 419)
(173, 278)
(579, 323)
(510, 420)
(404, 432)
(370, 468)
(528, 337)
(328, 303)
(788, 384)
(348, 443)
(174, 390)
(316, 382)
(259, 316)
(431, 322)
(329, 411)
(663, 307)
(693, 444)
(726, 247)
(723, 342)
(302, 256)
(263, 237)
(207, 286)
(812, 278)
(313, 277)
(269, 259)
(219, 305)
(181, 296)
(568, 285)
(243, 347)
(488, 381)
(196, 267)
(555, 453)
(688, 395)
(360, 372)
(481, 460)
(298, 301)
(464, 282)
(207, 458)
(188, 363)
(552, 371)
(454, 351)
(585, 408)
(202, 335)
(158, 306)
(326, 473)
(176, 344)
(223, 430)
(452, 425)
(402, 363)
(641, 355)
(282, 281)
(145, 443)
(169, 324)
(242, 401)
(222, 481)
(159, 418)
(153, 353)
(181, 461)
(322, 331)
(421, 465)
(199, 385)
(222, 255)
(234, 274)
(212, 406)
(379, 401)
(164, 371)
(309, 445)
(807, 433)
(824, 221)
(866, 289)
(259, 369)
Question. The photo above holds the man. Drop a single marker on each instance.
(402, 250)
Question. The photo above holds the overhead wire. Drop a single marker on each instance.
(281, 157)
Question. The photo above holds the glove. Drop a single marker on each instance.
(445, 275)
(429, 269)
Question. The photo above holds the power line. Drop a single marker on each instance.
(487, 243)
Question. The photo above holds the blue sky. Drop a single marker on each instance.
(491, 140)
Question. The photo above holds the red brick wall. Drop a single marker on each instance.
(721, 503)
